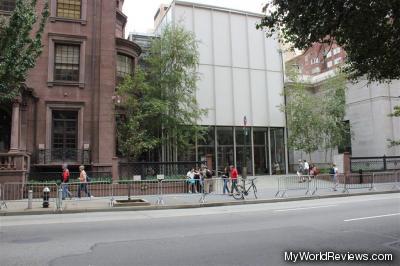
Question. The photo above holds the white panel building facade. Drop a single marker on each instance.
(241, 78)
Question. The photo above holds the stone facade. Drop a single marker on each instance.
(89, 134)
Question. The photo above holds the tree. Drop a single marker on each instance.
(164, 110)
(334, 129)
(20, 46)
(368, 30)
(315, 120)
(303, 119)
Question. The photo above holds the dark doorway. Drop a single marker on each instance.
(65, 136)
(5, 129)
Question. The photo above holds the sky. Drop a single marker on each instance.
(141, 12)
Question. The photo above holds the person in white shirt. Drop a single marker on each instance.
(191, 182)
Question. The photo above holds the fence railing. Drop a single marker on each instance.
(56, 176)
(310, 185)
(150, 170)
(159, 191)
(374, 164)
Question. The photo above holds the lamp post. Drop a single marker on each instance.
(244, 166)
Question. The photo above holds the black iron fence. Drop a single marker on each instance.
(150, 170)
(46, 156)
(374, 164)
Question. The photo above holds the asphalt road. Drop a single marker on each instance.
(233, 235)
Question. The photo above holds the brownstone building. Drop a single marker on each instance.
(66, 113)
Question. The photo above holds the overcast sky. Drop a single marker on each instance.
(141, 12)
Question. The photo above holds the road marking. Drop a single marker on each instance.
(372, 217)
(304, 208)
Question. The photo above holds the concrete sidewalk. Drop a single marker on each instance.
(266, 192)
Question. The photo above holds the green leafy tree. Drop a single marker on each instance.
(164, 110)
(333, 100)
(304, 121)
(20, 46)
(315, 120)
(368, 30)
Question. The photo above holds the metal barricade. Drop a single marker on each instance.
(17, 193)
(3, 203)
(358, 181)
(327, 182)
(386, 180)
(294, 183)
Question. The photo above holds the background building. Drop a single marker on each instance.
(241, 83)
(67, 111)
(368, 105)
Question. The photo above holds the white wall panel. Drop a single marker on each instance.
(205, 94)
(273, 56)
(203, 32)
(242, 96)
(259, 102)
(224, 96)
(275, 89)
(184, 17)
(239, 41)
(256, 44)
(222, 50)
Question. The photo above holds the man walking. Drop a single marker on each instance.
(65, 180)
(233, 177)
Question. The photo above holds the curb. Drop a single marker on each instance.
(187, 206)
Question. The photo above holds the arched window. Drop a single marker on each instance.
(124, 65)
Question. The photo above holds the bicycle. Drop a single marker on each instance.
(241, 191)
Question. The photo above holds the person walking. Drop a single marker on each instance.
(83, 182)
(334, 175)
(225, 177)
(233, 178)
(197, 179)
(64, 182)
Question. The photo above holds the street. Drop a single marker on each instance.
(232, 235)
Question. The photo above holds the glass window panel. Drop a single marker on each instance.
(243, 157)
(66, 63)
(260, 136)
(7, 5)
(124, 65)
(243, 136)
(277, 150)
(69, 9)
(225, 135)
(205, 151)
(260, 160)
(208, 138)
(225, 157)
(64, 135)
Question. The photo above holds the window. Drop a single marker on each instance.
(260, 138)
(64, 135)
(329, 54)
(278, 150)
(336, 50)
(66, 63)
(7, 5)
(329, 64)
(69, 9)
(315, 60)
(124, 65)
(337, 60)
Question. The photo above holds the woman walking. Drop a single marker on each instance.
(83, 182)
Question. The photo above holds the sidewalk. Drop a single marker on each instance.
(266, 192)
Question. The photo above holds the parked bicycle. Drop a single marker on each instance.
(243, 191)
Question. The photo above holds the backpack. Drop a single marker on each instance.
(88, 178)
(331, 171)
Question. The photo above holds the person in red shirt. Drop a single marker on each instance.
(233, 177)
(65, 180)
